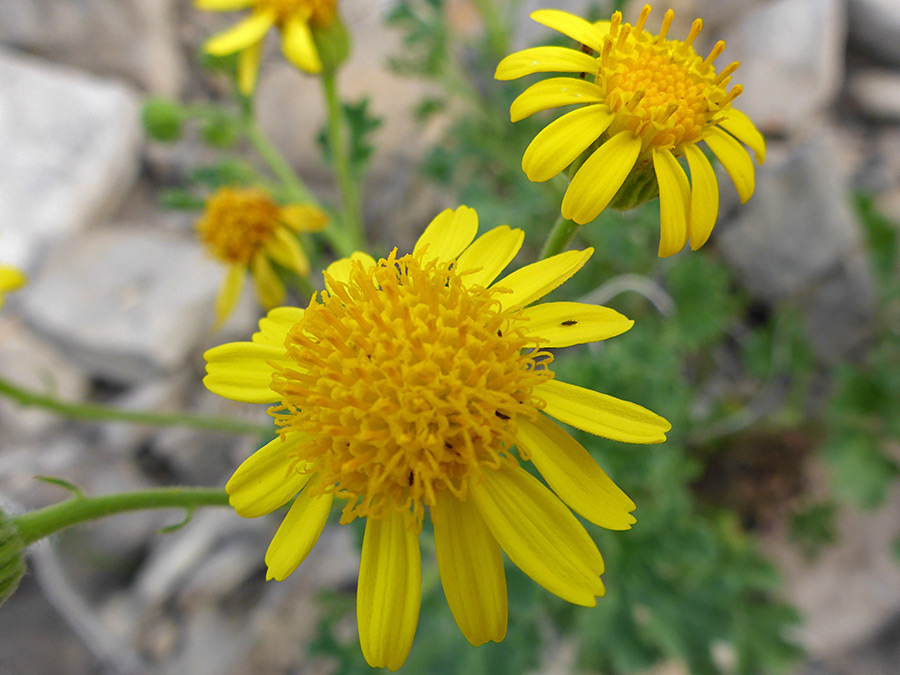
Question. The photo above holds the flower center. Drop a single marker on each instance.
(237, 223)
(661, 89)
(407, 383)
(318, 12)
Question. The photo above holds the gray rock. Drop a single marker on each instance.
(135, 39)
(797, 239)
(791, 54)
(875, 26)
(125, 304)
(877, 92)
(71, 147)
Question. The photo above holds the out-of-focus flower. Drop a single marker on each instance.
(296, 20)
(11, 278)
(247, 230)
(406, 385)
(645, 101)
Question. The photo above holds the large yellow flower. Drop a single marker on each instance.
(406, 384)
(245, 229)
(645, 101)
(10, 279)
(295, 19)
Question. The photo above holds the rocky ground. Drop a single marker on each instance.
(120, 303)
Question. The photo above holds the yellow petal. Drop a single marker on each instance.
(298, 45)
(248, 67)
(246, 33)
(600, 414)
(563, 324)
(560, 142)
(241, 371)
(574, 475)
(274, 327)
(297, 534)
(223, 5)
(600, 177)
(269, 288)
(471, 568)
(230, 293)
(572, 26)
(674, 202)
(449, 234)
(303, 217)
(735, 160)
(534, 281)
(11, 278)
(539, 534)
(284, 249)
(389, 591)
(552, 93)
(268, 478)
(489, 255)
(339, 270)
(546, 60)
(741, 127)
(704, 197)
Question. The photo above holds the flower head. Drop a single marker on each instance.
(10, 279)
(245, 229)
(297, 20)
(406, 385)
(645, 101)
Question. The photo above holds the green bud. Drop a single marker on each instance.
(332, 43)
(12, 557)
(162, 119)
(219, 131)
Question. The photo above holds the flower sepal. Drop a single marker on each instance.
(333, 44)
(12, 557)
(640, 187)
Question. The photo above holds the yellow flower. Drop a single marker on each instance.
(405, 385)
(295, 19)
(10, 279)
(645, 101)
(245, 229)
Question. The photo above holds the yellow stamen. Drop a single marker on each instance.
(642, 19)
(715, 53)
(407, 382)
(237, 223)
(666, 24)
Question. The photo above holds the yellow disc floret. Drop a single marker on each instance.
(407, 383)
(660, 89)
(318, 12)
(237, 223)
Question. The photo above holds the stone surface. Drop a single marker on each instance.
(877, 93)
(125, 303)
(134, 39)
(797, 239)
(875, 26)
(791, 54)
(852, 588)
(70, 152)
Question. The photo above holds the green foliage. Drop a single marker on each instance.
(361, 123)
(813, 526)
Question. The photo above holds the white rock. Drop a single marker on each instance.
(71, 146)
(875, 25)
(792, 55)
(125, 304)
(135, 39)
(877, 92)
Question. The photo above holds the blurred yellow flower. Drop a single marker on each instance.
(245, 229)
(405, 385)
(645, 101)
(10, 279)
(295, 19)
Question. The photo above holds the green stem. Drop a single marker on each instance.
(51, 519)
(277, 163)
(561, 234)
(94, 411)
(352, 211)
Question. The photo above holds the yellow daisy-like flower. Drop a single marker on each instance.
(406, 384)
(645, 101)
(295, 19)
(247, 230)
(11, 279)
